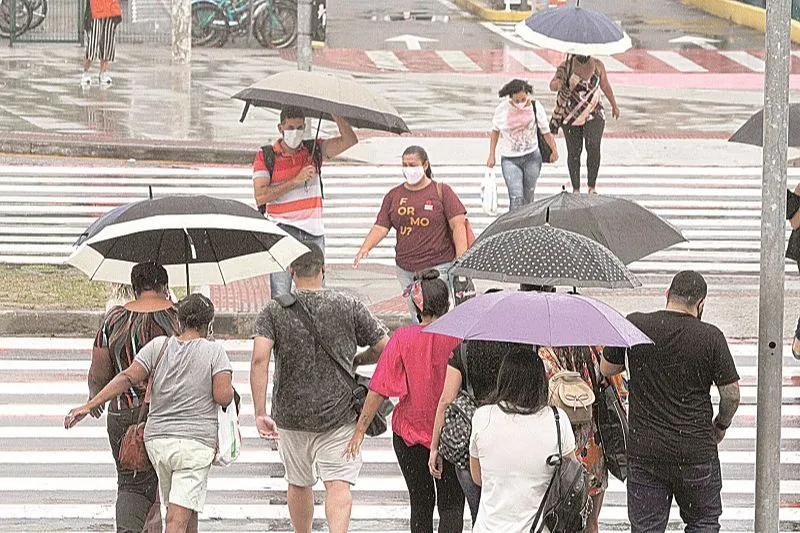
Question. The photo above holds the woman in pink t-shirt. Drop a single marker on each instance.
(412, 367)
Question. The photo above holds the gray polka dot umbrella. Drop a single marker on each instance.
(544, 255)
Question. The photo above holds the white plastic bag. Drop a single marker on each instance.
(489, 192)
(229, 436)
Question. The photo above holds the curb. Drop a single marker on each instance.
(86, 323)
(478, 9)
(741, 14)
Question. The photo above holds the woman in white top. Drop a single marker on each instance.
(512, 437)
(515, 121)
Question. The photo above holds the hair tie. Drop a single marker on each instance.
(414, 290)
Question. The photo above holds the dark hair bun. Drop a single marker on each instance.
(195, 311)
(426, 275)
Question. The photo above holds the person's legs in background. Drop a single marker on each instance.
(450, 500)
(574, 138)
(531, 169)
(404, 277)
(413, 461)
(513, 175)
(472, 492)
(281, 282)
(593, 132)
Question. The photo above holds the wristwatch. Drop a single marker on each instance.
(719, 426)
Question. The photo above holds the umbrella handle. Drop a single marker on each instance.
(245, 110)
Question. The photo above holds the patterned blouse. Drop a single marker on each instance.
(124, 333)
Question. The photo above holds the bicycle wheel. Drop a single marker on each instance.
(24, 15)
(39, 13)
(277, 25)
(209, 24)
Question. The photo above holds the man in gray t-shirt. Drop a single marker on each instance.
(312, 402)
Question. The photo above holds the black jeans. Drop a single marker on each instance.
(135, 492)
(425, 492)
(591, 133)
(696, 488)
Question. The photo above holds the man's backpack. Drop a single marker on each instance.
(565, 506)
(268, 152)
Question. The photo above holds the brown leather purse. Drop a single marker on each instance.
(132, 453)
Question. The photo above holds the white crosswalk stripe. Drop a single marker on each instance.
(52, 479)
(44, 209)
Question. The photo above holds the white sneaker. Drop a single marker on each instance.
(105, 79)
(86, 79)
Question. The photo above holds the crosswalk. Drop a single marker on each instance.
(526, 60)
(57, 480)
(44, 209)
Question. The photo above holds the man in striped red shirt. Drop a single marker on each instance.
(289, 184)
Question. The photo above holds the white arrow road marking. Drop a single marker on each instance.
(412, 41)
(703, 42)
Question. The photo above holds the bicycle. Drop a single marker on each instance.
(24, 17)
(275, 21)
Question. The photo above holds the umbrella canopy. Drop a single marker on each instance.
(541, 318)
(629, 230)
(752, 132)
(574, 30)
(544, 255)
(220, 241)
(323, 95)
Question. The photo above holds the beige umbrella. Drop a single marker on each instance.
(323, 95)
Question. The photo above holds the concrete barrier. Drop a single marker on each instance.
(741, 13)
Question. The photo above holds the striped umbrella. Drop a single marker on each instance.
(200, 238)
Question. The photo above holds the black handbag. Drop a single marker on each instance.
(566, 505)
(358, 383)
(544, 148)
(457, 428)
(612, 427)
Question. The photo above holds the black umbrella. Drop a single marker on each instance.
(574, 30)
(211, 240)
(752, 132)
(544, 255)
(324, 95)
(629, 230)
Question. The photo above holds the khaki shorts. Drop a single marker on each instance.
(310, 456)
(182, 467)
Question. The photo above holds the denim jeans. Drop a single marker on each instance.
(521, 174)
(472, 492)
(281, 282)
(405, 278)
(696, 488)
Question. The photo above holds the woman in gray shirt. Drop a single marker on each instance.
(192, 377)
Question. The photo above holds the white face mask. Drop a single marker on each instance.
(293, 138)
(520, 105)
(413, 175)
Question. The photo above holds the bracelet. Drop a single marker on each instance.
(721, 427)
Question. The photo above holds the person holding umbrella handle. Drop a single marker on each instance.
(279, 171)
(578, 82)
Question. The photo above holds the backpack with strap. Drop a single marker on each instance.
(457, 428)
(566, 505)
(268, 151)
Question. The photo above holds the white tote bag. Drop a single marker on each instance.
(229, 436)
(489, 192)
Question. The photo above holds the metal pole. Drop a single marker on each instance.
(181, 32)
(304, 57)
(773, 223)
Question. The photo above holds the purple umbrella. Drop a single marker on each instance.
(544, 319)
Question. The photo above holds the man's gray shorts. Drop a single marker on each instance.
(310, 456)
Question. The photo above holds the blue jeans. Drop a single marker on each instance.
(405, 278)
(281, 282)
(472, 492)
(696, 488)
(521, 174)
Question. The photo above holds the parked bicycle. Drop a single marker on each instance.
(274, 22)
(29, 15)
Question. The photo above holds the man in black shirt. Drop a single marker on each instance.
(672, 450)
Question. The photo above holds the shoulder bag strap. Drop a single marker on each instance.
(151, 379)
(540, 512)
(462, 353)
(302, 313)
(439, 191)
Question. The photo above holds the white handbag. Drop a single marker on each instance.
(229, 436)
(489, 192)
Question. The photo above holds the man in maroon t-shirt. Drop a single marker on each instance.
(429, 219)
